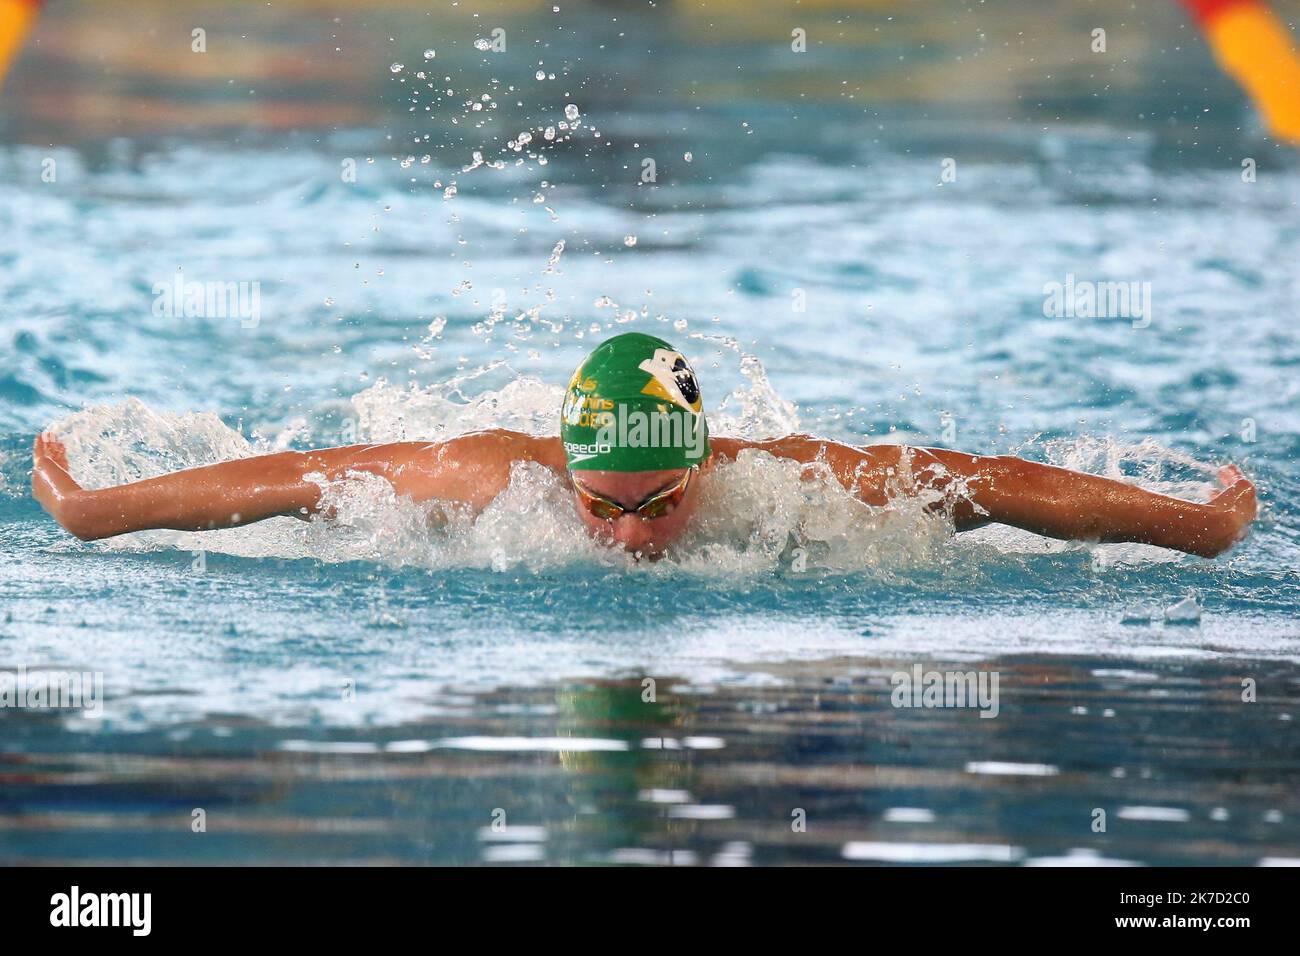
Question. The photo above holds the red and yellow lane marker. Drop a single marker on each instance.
(1254, 47)
(16, 18)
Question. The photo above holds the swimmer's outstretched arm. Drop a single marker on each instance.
(1071, 505)
(470, 468)
(1044, 499)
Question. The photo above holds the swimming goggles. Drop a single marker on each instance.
(656, 506)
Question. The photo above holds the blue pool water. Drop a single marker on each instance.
(375, 692)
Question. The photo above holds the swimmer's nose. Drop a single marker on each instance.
(634, 533)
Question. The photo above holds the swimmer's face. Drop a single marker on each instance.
(647, 537)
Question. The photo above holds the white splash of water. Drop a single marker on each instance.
(113, 444)
(442, 410)
(761, 514)
(755, 412)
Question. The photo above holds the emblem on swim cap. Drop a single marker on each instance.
(633, 405)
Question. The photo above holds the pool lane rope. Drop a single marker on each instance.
(1250, 42)
(16, 19)
(1254, 47)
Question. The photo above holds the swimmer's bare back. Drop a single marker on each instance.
(473, 469)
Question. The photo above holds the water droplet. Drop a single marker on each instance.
(396, 68)
(429, 54)
(571, 112)
(629, 240)
(689, 157)
(541, 74)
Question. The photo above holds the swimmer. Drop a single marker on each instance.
(635, 451)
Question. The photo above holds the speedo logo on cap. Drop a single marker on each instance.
(580, 452)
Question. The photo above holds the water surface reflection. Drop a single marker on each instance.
(798, 763)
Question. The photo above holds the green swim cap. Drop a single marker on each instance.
(633, 405)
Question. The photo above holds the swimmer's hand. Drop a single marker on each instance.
(52, 484)
(1234, 507)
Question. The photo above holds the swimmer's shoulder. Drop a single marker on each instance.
(726, 449)
(503, 446)
(797, 447)
(845, 459)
